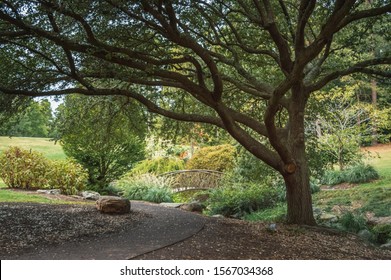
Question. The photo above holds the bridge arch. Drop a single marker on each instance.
(194, 179)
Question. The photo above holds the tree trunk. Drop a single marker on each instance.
(374, 104)
(298, 191)
(298, 195)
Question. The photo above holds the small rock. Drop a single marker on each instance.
(171, 205)
(192, 207)
(373, 220)
(272, 227)
(365, 234)
(91, 195)
(387, 245)
(201, 197)
(328, 217)
(52, 191)
(113, 205)
(218, 216)
(317, 211)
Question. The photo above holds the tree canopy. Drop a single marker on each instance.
(248, 67)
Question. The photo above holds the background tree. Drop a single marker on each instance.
(251, 66)
(34, 121)
(103, 134)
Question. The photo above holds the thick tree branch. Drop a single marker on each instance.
(364, 14)
(361, 67)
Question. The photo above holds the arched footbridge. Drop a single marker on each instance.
(195, 179)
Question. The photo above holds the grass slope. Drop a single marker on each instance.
(7, 195)
(381, 160)
(372, 197)
(50, 149)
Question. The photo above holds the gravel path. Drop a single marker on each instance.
(151, 228)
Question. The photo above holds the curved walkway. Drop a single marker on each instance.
(165, 227)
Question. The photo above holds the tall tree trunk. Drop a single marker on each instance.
(374, 104)
(298, 191)
(299, 200)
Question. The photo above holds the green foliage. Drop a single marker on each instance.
(239, 199)
(275, 214)
(382, 233)
(190, 196)
(109, 189)
(68, 176)
(34, 121)
(146, 187)
(361, 173)
(21, 168)
(158, 165)
(352, 222)
(249, 168)
(220, 158)
(103, 134)
(333, 177)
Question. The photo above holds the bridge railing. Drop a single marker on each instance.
(194, 179)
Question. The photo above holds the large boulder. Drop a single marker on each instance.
(113, 205)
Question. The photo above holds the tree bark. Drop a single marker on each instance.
(374, 104)
(298, 191)
(298, 196)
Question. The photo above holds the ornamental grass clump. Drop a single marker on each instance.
(240, 199)
(146, 187)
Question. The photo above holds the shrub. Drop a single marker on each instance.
(314, 185)
(68, 176)
(355, 174)
(218, 158)
(238, 200)
(146, 187)
(352, 222)
(158, 165)
(333, 177)
(360, 174)
(382, 233)
(275, 214)
(21, 168)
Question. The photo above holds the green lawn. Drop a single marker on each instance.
(50, 149)
(382, 161)
(20, 196)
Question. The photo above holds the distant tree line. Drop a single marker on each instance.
(36, 120)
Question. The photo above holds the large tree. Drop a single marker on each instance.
(250, 66)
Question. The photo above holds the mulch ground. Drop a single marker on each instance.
(26, 227)
(230, 239)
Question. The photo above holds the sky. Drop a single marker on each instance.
(53, 103)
